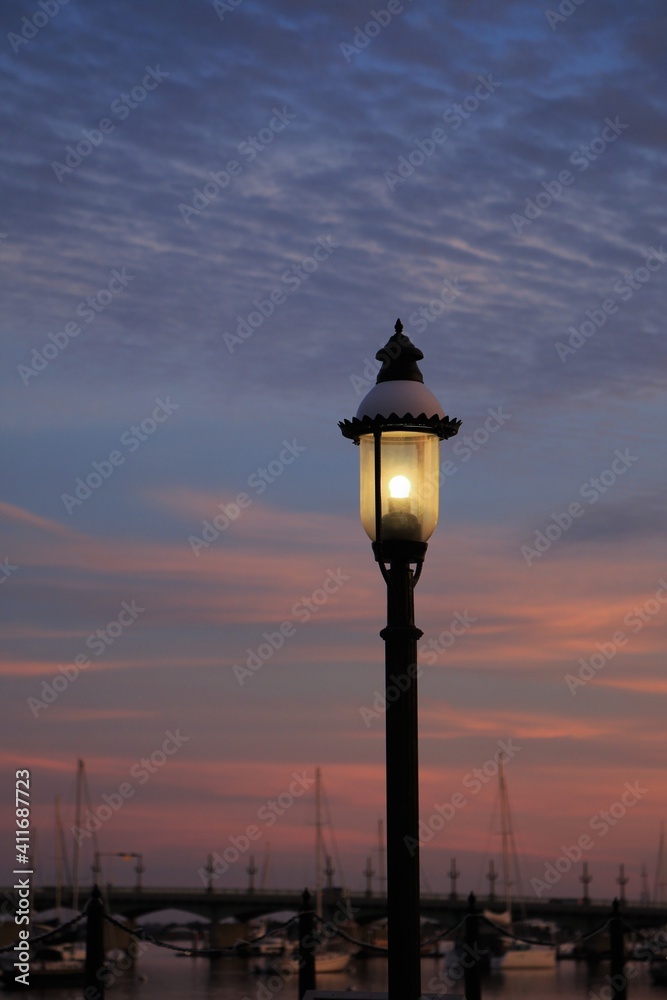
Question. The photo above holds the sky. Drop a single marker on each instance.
(212, 215)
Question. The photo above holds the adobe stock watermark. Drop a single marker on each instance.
(566, 9)
(6, 569)
(635, 620)
(31, 26)
(131, 440)
(600, 823)
(473, 781)
(249, 149)
(625, 288)
(449, 293)
(454, 117)
(291, 280)
(303, 610)
(429, 652)
(88, 309)
(615, 984)
(121, 107)
(581, 157)
(399, 684)
(464, 448)
(378, 20)
(142, 771)
(222, 7)
(459, 626)
(267, 814)
(116, 963)
(591, 491)
(466, 958)
(258, 481)
(98, 643)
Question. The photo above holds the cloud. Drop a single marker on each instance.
(448, 219)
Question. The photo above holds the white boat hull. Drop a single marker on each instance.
(331, 962)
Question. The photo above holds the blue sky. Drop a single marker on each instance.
(490, 173)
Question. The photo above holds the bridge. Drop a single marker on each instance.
(245, 904)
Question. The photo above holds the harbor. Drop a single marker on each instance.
(477, 955)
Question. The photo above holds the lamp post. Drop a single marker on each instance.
(398, 427)
(126, 856)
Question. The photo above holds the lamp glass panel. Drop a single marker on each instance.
(409, 484)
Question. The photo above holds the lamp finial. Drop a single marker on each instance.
(399, 358)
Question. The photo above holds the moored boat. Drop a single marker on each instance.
(331, 961)
(325, 961)
(48, 967)
(521, 955)
(517, 954)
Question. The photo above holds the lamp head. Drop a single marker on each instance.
(399, 424)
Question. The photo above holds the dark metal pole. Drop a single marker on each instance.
(306, 946)
(618, 981)
(396, 550)
(94, 966)
(400, 636)
(472, 972)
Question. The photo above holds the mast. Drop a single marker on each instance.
(645, 894)
(329, 871)
(59, 862)
(382, 868)
(505, 833)
(77, 826)
(492, 877)
(368, 873)
(585, 880)
(659, 883)
(251, 871)
(318, 842)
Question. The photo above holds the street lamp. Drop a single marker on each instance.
(126, 856)
(398, 427)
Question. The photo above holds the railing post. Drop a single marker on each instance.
(306, 946)
(618, 982)
(94, 971)
(472, 973)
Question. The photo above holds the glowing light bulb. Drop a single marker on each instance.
(399, 487)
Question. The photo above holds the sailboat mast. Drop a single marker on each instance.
(318, 842)
(59, 862)
(77, 826)
(659, 884)
(505, 833)
(382, 867)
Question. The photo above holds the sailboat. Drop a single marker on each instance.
(59, 963)
(327, 959)
(52, 966)
(517, 954)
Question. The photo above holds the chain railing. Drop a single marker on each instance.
(313, 931)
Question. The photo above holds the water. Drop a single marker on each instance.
(161, 976)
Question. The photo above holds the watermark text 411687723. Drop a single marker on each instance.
(22, 885)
